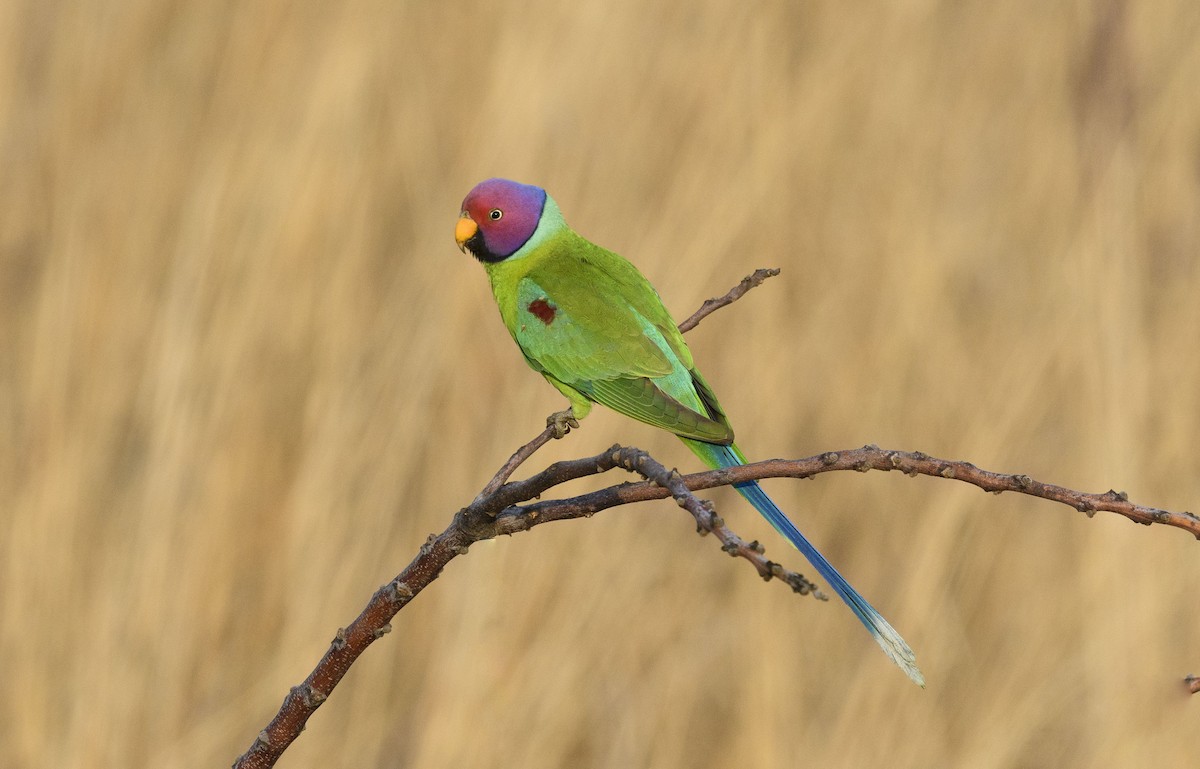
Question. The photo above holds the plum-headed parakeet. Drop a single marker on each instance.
(589, 322)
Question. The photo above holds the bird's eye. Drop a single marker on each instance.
(495, 214)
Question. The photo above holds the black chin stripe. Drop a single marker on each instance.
(479, 249)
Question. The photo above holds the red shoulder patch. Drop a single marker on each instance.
(543, 310)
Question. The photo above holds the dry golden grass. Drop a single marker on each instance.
(245, 372)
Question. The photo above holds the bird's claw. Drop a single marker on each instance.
(562, 422)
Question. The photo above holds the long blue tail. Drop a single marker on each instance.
(886, 636)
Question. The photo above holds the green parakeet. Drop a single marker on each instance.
(595, 328)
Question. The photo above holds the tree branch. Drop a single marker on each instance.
(737, 292)
(502, 513)
(500, 509)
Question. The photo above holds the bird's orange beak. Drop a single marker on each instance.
(464, 231)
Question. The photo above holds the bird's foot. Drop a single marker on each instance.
(562, 422)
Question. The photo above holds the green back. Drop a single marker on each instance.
(587, 319)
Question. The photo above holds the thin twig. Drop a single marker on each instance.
(508, 468)
(737, 292)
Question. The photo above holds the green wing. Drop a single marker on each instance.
(588, 319)
(644, 400)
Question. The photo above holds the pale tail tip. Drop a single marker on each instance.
(899, 652)
(914, 672)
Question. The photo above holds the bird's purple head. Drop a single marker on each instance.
(498, 217)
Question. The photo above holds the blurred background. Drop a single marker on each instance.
(245, 372)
